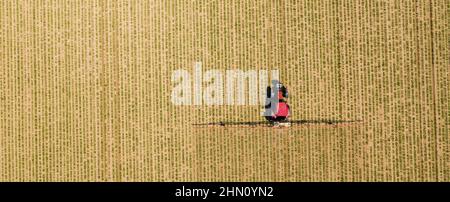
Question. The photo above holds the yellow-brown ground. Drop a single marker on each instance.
(85, 90)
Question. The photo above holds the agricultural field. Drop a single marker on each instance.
(85, 90)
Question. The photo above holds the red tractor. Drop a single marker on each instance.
(277, 110)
